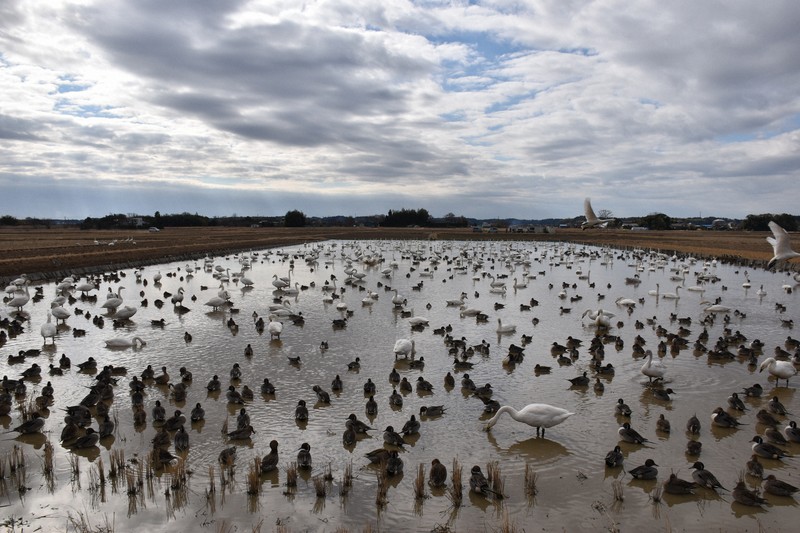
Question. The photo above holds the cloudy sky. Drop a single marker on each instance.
(491, 108)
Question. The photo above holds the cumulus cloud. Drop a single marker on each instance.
(491, 108)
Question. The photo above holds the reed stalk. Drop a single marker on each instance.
(456, 491)
(291, 474)
(419, 483)
(531, 477)
(495, 478)
(254, 477)
(320, 486)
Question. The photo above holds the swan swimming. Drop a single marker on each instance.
(120, 342)
(538, 415)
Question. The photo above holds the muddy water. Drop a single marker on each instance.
(575, 490)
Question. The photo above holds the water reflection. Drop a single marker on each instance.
(312, 349)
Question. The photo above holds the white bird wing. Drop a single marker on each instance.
(780, 244)
(588, 211)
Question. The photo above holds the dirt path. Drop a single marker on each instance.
(51, 253)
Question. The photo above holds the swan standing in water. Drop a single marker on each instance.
(600, 317)
(20, 298)
(120, 342)
(49, 329)
(779, 369)
(404, 347)
(781, 247)
(275, 328)
(653, 370)
(538, 415)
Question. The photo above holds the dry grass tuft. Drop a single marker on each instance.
(531, 477)
(81, 524)
(75, 467)
(211, 487)
(48, 463)
(179, 476)
(291, 475)
(656, 494)
(320, 486)
(507, 526)
(456, 491)
(616, 486)
(495, 478)
(254, 477)
(419, 483)
(347, 479)
(382, 488)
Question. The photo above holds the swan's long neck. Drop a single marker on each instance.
(505, 409)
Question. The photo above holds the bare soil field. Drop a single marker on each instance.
(50, 253)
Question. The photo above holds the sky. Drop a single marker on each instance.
(486, 109)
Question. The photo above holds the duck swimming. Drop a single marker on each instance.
(646, 471)
(704, 478)
(628, 434)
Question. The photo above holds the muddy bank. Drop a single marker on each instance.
(46, 254)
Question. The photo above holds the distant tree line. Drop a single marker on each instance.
(8, 220)
(406, 217)
(761, 222)
(395, 218)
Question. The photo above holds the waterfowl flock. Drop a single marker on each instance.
(652, 359)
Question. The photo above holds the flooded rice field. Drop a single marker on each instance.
(341, 310)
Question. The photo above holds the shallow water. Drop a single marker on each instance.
(575, 489)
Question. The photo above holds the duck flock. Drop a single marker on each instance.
(671, 375)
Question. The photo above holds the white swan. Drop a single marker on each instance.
(716, 308)
(398, 300)
(672, 295)
(404, 347)
(20, 299)
(177, 298)
(85, 287)
(120, 342)
(591, 218)
(538, 415)
(599, 317)
(779, 369)
(655, 292)
(292, 291)
(653, 369)
(113, 300)
(125, 313)
(417, 320)
(216, 302)
(507, 328)
(457, 303)
(781, 247)
(60, 313)
(625, 302)
(274, 327)
(48, 329)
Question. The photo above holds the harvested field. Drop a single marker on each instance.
(47, 253)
